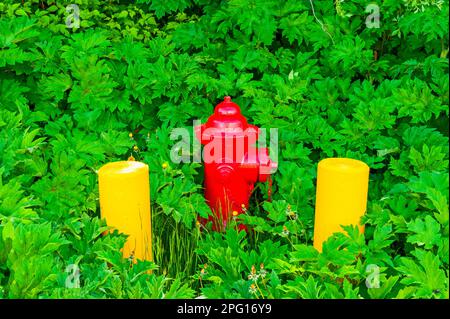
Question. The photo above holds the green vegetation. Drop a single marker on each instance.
(69, 97)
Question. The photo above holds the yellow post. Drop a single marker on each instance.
(341, 196)
(125, 204)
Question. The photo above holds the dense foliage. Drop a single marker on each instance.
(70, 97)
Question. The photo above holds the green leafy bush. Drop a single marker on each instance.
(313, 69)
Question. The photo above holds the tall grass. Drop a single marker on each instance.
(174, 247)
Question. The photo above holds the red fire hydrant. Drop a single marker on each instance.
(232, 163)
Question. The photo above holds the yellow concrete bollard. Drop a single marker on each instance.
(341, 196)
(125, 205)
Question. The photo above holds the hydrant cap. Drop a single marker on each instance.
(227, 115)
(227, 107)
